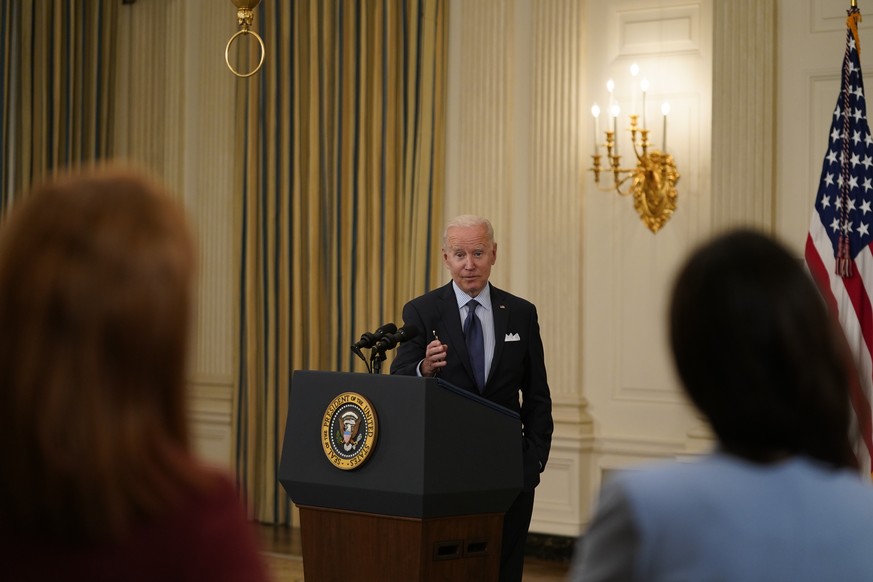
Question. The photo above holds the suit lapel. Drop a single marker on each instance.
(501, 322)
(450, 315)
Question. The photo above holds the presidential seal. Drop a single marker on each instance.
(349, 430)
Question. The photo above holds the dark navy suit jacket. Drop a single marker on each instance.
(518, 364)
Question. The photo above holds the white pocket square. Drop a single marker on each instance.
(512, 337)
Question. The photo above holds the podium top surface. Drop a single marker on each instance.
(476, 398)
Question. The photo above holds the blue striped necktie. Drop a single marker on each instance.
(475, 343)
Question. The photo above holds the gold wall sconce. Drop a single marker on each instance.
(652, 182)
(245, 15)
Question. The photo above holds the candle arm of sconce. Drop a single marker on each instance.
(610, 144)
(629, 175)
(620, 176)
(641, 148)
(595, 166)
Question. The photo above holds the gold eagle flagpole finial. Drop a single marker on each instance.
(852, 22)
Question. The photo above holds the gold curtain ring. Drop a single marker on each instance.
(242, 32)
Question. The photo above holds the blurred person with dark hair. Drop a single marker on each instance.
(780, 498)
(98, 478)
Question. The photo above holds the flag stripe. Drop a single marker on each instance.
(822, 265)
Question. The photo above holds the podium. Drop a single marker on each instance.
(427, 503)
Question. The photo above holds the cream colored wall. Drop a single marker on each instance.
(523, 75)
(639, 414)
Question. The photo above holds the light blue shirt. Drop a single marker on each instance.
(720, 518)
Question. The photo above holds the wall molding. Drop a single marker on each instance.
(659, 31)
(744, 93)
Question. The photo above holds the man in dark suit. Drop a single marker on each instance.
(491, 347)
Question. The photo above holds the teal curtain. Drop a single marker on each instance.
(56, 88)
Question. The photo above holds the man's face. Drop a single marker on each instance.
(469, 256)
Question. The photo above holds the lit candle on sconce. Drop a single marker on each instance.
(634, 71)
(595, 111)
(644, 86)
(614, 111)
(665, 110)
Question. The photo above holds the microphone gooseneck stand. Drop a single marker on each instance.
(383, 340)
(376, 359)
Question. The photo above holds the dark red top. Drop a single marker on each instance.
(209, 539)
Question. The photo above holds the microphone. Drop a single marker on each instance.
(405, 333)
(368, 340)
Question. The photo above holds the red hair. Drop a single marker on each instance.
(96, 272)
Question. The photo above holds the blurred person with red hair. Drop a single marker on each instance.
(98, 478)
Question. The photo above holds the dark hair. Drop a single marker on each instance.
(95, 287)
(758, 352)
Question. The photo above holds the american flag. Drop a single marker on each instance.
(838, 250)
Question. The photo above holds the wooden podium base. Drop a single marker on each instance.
(346, 545)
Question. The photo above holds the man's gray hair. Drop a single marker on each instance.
(466, 221)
